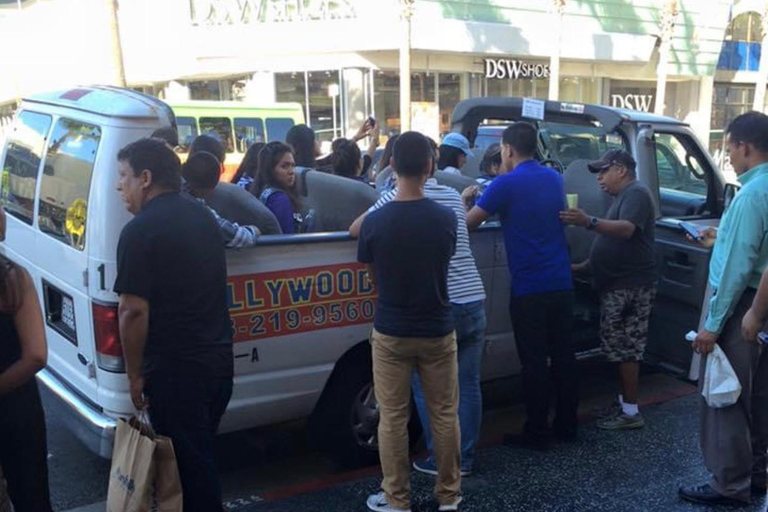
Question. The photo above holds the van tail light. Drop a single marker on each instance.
(106, 328)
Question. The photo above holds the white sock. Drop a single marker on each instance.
(629, 409)
(621, 400)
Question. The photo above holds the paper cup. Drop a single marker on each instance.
(573, 201)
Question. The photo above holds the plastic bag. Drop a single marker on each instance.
(721, 386)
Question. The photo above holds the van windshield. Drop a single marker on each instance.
(568, 142)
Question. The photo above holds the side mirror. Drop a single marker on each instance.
(729, 192)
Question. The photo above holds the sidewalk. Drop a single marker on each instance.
(605, 471)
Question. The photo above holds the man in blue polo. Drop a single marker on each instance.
(528, 200)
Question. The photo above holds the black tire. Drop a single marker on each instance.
(345, 421)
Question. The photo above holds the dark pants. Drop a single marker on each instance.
(734, 439)
(542, 326)
(24, 450)
(188, 410)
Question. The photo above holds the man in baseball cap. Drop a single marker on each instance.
(623, 265)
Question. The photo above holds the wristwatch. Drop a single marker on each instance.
(593, 221)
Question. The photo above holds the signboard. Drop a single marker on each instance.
(633, 96)
(243, 12)
(533, 109)
(272, 304)
(514, 69)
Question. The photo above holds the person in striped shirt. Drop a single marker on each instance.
(467, 296)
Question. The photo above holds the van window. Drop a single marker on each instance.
(679, 169)
(219, 127)
(277, 128)
(66, 181)
(22, 161)
(569, 142)
(187, 129)
(247, 131)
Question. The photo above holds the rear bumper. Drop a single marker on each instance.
(90, 425)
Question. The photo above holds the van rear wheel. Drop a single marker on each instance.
(346, 419)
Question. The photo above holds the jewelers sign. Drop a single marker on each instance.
(514, 69)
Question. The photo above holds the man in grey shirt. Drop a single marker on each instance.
(623, 265)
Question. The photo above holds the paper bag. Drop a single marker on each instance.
(721, 386)
(167, 495)
(133, 468)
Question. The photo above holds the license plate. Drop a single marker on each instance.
(68, 312)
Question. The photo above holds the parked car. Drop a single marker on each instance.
(301, 306)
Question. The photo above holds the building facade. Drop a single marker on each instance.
(339, 58)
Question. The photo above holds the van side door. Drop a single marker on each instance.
(688, 189)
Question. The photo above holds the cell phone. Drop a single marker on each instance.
(691, 230)
(372, 121)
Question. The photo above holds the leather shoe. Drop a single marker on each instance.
(706, 495)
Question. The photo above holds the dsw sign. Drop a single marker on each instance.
(238, 12)
(641, 102)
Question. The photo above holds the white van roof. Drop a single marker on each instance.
(107, 101)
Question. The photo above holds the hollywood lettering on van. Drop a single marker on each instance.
(514, 69)
(271, 304)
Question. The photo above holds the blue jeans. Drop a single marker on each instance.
(470, 338)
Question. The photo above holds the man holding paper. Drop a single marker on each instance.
(623, 264)
(735, 439)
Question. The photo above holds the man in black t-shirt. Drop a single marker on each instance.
(407, 245)
(623, 264)
(174, 323)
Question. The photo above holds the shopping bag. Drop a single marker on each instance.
(133, 468)
(166, 495)
(721, 386)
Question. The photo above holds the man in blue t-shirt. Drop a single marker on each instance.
(407, 245)
(528, 200)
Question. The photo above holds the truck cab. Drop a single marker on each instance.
(684, 181)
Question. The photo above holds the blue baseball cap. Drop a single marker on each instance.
(458, 141)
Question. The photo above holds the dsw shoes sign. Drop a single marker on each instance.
(514, 69)
(641, 102)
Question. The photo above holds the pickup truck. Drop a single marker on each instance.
(300, 305)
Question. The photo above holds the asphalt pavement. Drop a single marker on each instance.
(272, 470)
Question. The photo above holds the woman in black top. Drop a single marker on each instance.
(23, 352)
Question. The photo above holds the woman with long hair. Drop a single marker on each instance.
(385, 177)
(454, 151)
(275, 186)
(305, 146)
(246, 173)
(23, 353)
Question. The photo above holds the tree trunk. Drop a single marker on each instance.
(668, 20)
(118, 71)
(405, 66)
(762, 74)
(557, 43)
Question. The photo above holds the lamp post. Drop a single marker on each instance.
(667, 30)
(405, 65)
(554, 58)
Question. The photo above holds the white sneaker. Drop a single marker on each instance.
(452, 506)
(378, 503)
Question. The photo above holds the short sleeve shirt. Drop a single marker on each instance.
(529, 200)
(171, 255)
(618, 263)
(410, 243)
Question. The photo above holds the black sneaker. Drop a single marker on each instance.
(706, 495)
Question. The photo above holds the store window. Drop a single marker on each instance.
(208, 90)
(579, 90)
(742, 44)
(449, 87)
(633, 95)
(290, 87)
(22, 161)
(386, 100)
(729, 101)
(325, 104)
(66, 181)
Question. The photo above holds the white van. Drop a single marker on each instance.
(300, 305)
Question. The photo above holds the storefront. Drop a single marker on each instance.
(339, 59)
